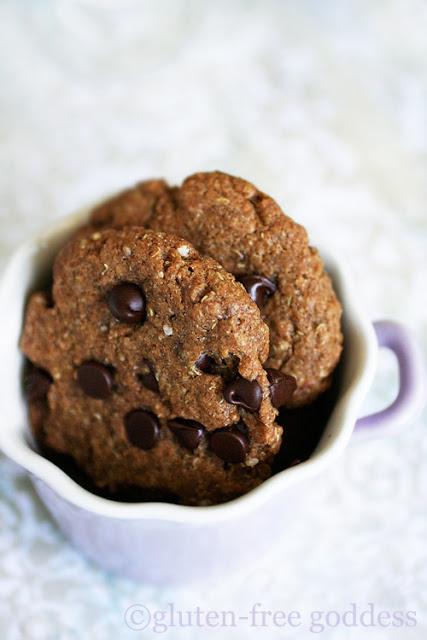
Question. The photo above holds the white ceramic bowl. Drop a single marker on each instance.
(166, 543)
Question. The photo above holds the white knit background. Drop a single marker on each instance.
(321, 104)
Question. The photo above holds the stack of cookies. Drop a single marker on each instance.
(179, 321)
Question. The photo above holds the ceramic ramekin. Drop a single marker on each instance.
(166, 543)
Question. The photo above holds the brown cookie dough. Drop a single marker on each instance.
(244, 229)
(150, 368)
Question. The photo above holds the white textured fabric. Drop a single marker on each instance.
(321, 104)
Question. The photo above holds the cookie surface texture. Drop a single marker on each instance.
(122, 382)
(245, 230)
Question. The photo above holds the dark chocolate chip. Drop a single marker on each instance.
(37, 384)
(244, 393)
(148, 378)
(229, 444)
(95, 379)
(282, 387)
(255, 199)
(149, 381)
(259, 288)
(206, 363)
(188, 432)
(142, 428)
(126, 302)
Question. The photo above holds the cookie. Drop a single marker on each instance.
(148, 368)
(244, 229)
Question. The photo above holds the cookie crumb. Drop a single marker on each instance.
(184, 251)
(194, 371)
(96, 235)
(252, 462)
(127, 251)
(167, 330)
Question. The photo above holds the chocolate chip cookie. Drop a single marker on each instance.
(244, 229)
(147, 368)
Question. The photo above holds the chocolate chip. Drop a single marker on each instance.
(206, 363)
(95, 379)
(37, 384)
(149, 381)
(148, 378)
(229, 444)
(282, 387)
(188, 432)
(259, 288)
(126, 302)
(142, 428)
(244, 393)
(255, 199)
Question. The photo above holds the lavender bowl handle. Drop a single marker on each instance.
(412, 394)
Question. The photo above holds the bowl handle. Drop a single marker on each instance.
(412, 392)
